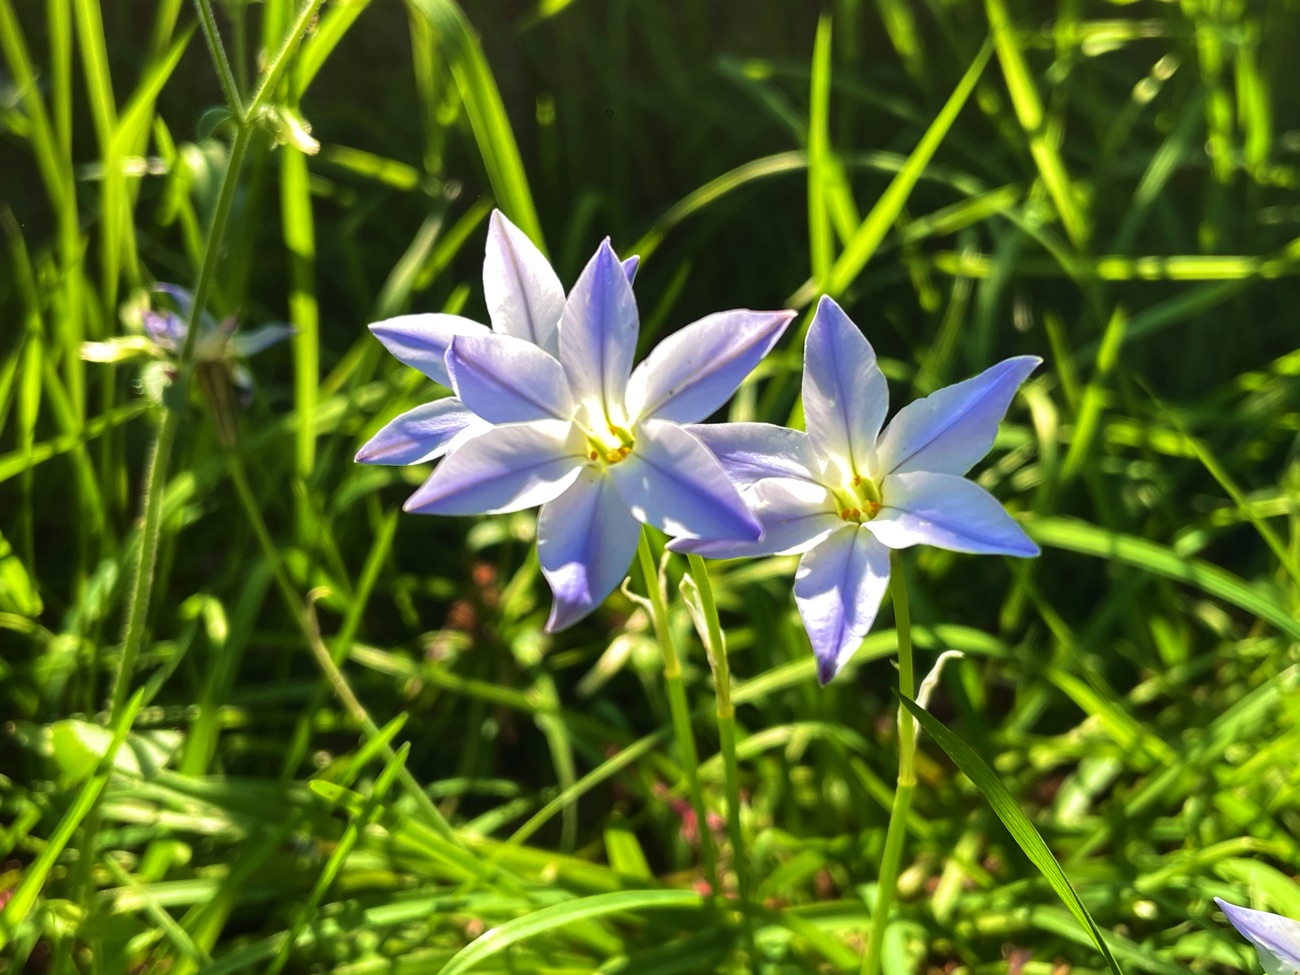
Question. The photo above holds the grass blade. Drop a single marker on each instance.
(559, 915)
(1016, 822)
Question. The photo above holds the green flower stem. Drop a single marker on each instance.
(160, 458)
(306, 622)
(222, 63)
(680, 710)
(726, 712)
(896, 834)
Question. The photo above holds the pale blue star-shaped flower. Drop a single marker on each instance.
(165, 331)
(525, 299)
(845, 493)
(220, 345)
(1276, 938)
(549, 411)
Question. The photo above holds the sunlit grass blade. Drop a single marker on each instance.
(862, 245)
(298, 227)
(555, 918)
(487, 114)
(1016, 822)
(1086, 539)
(1043, 142)
(820, 237)
(35, 875)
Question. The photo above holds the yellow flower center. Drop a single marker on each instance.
(609, 444)
(859, 500)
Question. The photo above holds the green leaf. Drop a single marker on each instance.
(1087, 539)
(559, 915)
(486, 112)
(1016, 822)
(17, 589)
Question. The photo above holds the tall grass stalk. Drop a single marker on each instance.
(160, 457)
(677, 704)
(716, 646)
(305, 620)
(896, 834)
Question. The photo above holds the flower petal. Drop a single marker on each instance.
(947, 511)
(166, 328)
(795, 516)
(630, 266)
(952, 428)
(1276, 938)
(422, 434)
(508, 380)
(750, 452)
(585, 541)
(422, 340)
(598, 334)
(695, 370)
(838, 588)
(253, 341)
(505, 468)
(671, 481)
(524, 296)
(845, 396)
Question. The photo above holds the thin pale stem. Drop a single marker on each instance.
(275, 70)
(306, 622)
(219, 59)
(726, 712)
(677, 706)
(156, 474)
(896, 834)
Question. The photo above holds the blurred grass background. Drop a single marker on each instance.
(1117, 193)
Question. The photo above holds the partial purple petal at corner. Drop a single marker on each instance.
(422, 434)
(952, 428)
(671, 481)
(422, 341)
(838, 589)
(630, 266)
(1272, 933)
(949, 512)
(506, 468)
(695, 370)
(585, 542)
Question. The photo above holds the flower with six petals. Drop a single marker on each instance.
(549, 411)
(845, 493)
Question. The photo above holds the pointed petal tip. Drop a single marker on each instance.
(826, 670)
(564, 616)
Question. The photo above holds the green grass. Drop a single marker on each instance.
(332, 737)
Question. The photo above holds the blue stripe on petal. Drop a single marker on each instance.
(598, 333)
(671, 481)
(585, 542)
(845, 396)
(422, 434)
(952, 428)
(506, 468)
(422, 341)
(508, 380)
(949, 512)
(838, 588)
(690, 374)
(524, 296)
